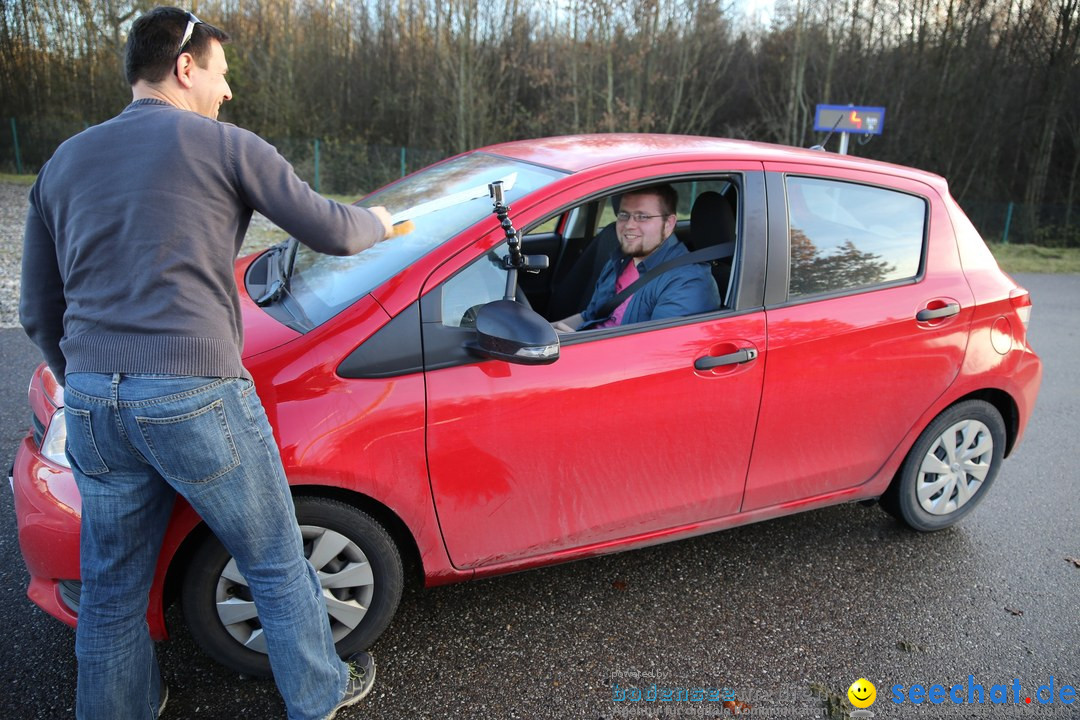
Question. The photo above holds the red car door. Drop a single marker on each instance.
(863, 338)
(619, 437)
(622, 436)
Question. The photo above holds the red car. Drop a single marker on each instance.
(865, 345)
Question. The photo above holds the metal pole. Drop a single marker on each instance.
(18, 155)
(402, 161)
(1008, 222)
(843, 143)
(317, 165)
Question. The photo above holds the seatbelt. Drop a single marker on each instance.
(713, 252)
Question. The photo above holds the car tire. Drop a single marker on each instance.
(950, 468)
(359, 610)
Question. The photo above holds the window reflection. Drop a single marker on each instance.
(844, 235)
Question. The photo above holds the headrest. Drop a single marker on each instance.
(711, 220)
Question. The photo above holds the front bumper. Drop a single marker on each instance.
(47, 513)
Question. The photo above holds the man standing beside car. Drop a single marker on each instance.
(128, 290)
(644, 224)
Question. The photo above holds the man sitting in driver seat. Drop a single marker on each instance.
(645, 225)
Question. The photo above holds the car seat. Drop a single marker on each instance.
(712, 222)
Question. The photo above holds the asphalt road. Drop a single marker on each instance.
(786, 613)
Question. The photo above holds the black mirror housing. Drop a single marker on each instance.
(507, 330)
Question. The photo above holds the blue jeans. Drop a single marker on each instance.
(134, 443)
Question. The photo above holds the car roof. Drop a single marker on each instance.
(575, 153)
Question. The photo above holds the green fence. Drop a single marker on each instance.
(347, 168)
(25, 146)
(330, 165)
(1056, 226)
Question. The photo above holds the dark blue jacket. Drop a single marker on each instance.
(685, 290)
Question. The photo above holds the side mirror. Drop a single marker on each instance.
(507, 330)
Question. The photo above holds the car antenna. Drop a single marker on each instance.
(821, 145)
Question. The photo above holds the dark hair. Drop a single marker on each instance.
(154, 44)
(669, 198)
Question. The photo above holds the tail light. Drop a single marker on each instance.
(1021, 302)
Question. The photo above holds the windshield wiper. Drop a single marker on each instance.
(278, 270)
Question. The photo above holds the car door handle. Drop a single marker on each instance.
(937, 313)
(739, 356)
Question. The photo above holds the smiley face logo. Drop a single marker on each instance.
(862, 693)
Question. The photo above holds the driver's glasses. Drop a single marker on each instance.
(637, 217)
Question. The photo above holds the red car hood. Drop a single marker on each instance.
(261, 332)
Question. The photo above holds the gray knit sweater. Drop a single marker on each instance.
(131, 235)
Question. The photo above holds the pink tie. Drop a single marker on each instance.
(625, 280)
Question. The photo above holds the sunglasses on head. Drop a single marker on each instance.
(191, 23)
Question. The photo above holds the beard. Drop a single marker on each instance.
(640, 249)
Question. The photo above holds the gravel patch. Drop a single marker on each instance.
(13, 204)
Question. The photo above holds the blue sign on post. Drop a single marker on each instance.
(855, 119)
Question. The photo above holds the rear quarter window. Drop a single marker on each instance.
(845, 236)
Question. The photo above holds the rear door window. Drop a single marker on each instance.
(846, 236)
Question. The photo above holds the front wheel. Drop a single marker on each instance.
(359, 568)
(950, 467)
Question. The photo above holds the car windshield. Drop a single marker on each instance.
(441, 201)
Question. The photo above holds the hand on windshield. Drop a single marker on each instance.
(384, 217)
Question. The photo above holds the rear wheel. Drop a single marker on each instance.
(359, 567)
(950, 467)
